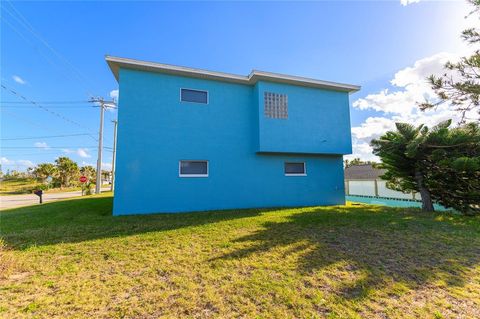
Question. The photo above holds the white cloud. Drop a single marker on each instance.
(400, 105)
(20, 163)
(412, 85)
(19, 80)
(6, 161)
(87, 164)
(114, 95)
(83, 152)
(43, 145)
(105, 166)
(407, 2)
(25, 163)
(362, 150)
(372, 128)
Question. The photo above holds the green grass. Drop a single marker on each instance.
(18, 186)
(27, 186)
(71, 259)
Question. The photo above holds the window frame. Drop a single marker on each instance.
(192, 175)
(197, 90)
(295, 174)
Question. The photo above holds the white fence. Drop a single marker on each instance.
(376, 188)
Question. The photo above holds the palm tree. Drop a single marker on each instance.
(67, 170)
(44, 170)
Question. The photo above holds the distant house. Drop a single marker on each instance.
(194, 140)
(363, 172)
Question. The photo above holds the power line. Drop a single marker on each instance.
(46, 102)
(29, 154)
(48, 147)
(44, 108)
(40, 151)
(2, 17)
(41, 137)
(51, 147)
(24, 23)
(31, 123)
(51, 107)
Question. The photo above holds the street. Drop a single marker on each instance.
(12, 201)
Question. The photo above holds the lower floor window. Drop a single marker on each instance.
(295, 169)
(193, 168)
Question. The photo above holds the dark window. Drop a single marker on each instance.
(193, 168)
(295, 169)
(195, 96)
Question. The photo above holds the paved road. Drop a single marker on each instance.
(12, 201)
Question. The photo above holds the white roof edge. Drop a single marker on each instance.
(116, 62)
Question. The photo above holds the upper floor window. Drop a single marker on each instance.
(275, 105)
(295, 169)
(195, 96)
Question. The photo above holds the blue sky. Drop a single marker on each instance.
(54, 52)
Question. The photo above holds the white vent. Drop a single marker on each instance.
(275, 105)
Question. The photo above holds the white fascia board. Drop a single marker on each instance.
(303, 81)
(115, 63)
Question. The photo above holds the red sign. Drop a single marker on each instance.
(83, 179)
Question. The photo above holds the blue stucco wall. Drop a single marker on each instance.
(318, 121)
(156, 131)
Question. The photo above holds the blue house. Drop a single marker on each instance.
(196, 140)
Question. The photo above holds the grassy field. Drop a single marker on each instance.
(18, 186)
(71, 259)
(26, 186)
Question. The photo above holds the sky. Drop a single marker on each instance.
(52, 60)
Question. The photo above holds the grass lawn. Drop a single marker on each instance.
(71, 259)
(18, 186)
(26, 186)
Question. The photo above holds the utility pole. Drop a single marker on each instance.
(115, 123)
(103, 104)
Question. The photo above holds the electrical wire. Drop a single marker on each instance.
(41, 137)
(50, 107)
(19, 17)
(45, 102)
(30, 123)
(45, 109)
(45, 148)
(28, 154)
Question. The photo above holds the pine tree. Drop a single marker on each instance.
(442, 164)
(460, 84)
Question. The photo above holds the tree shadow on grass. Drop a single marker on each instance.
(403, 245)
(382, 243)
(78, 220)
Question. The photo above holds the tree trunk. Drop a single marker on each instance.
(427, 205)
